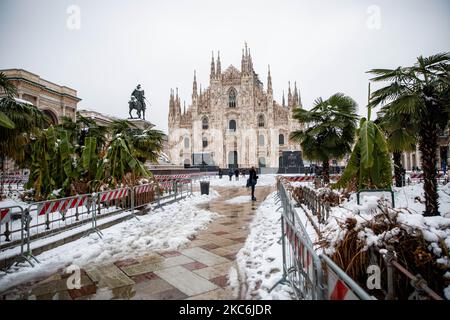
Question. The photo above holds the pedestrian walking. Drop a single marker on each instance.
(252, 180)
(230, 173)
(220, 173)
(236, 174)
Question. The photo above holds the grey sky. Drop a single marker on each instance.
(325, 46)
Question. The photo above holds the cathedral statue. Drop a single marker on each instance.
(137, 102)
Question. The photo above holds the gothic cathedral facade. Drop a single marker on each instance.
(234, 122)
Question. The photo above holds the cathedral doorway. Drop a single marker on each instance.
(232, 159)
(262, 162)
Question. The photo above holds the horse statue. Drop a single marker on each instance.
(137, 103)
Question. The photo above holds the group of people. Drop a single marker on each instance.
(251, 181)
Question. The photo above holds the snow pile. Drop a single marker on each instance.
(166, 228)
(238, 200)
(424, 240)
(260, 261)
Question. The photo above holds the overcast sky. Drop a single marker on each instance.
(326, 46)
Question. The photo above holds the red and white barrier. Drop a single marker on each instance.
(5, 215)
(61, 205)
(309, 178)
(300, 178)
(302, 254)
(337, 289)
(12, 181)
(143, 189)
(113, 195)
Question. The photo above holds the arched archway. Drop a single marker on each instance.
(261, 121)
(232, 159)
(51, 116)
(281, 139)
(262, 162)
(232, 125)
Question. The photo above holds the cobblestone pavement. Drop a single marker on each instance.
(197, 271)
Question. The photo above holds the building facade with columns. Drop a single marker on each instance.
(411, 160)
(54, 100)
(233, 122)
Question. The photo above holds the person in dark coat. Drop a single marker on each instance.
(230, 173)
(251, 182)
(220, 173)
(236, 174)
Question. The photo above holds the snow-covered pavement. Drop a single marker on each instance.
(260, 261)
(163, 229)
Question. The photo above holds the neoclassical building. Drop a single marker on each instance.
(53, 99)
(235, 121)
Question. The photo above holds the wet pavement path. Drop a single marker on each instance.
(196, 271)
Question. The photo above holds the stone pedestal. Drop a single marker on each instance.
(141, 124)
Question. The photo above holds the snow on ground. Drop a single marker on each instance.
(238, 200)
(165, 228)
(409, 207)
(406, 197)
(260, 261)
(409, 214)
(264, 180)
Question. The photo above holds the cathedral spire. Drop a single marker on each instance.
(284, 102)
(171, 104)
(250, 62)
(243, 62)
(295, 101)
(194, 85)
(213, 68)
(289, 95)
(178, 104)
(219, 68)
(269, 82)
(299, 99)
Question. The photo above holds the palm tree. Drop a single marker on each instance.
(26, 119)
(330, 132)
(422, 93)
(400, 137)
(7, 88)
(147, 144)
(369, 166)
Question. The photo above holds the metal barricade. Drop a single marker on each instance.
(10, 224)
(339, 285)
(303, 269)
(49, 217)
(143, 195)
(14, 216)
(111, 202)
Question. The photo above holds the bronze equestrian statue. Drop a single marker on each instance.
(137, 102)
